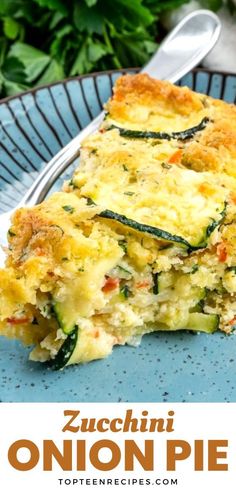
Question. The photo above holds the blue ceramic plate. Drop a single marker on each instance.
(171, 367)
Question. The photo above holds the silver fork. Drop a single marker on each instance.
(186, 45)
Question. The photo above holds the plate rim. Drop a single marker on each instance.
(96, 74)
(53, 387)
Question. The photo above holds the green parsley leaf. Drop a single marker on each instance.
(90, 202)
(123, 245)
(68, 208)
(125, 291)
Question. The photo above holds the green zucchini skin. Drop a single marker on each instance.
(142, 227)
(65, 351)
(181, 135)
(159, 233)
(155, 288)
(201, 322)
(62, 322)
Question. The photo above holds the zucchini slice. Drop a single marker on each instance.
(146, 229)
(181, 135)
(200, 322)
(82, 346)
(67, 349)
(65, 315)
(197, 322)
(163, 234)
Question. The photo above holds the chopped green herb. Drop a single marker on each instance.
(64, 258)
(11, 233)
(90, 202)
(125, 168)
(165, 165)
(123, 245)
(129, 193)
(68, 208)
(195, 268)
(125, 291)
(156, 142)
(72, 184)
(81, 269)
(93, 152)
(47, 310)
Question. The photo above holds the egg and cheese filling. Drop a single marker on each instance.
(142, 238)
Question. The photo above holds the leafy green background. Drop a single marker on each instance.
(42, 41)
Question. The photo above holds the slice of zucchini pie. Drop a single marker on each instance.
(142, 238)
